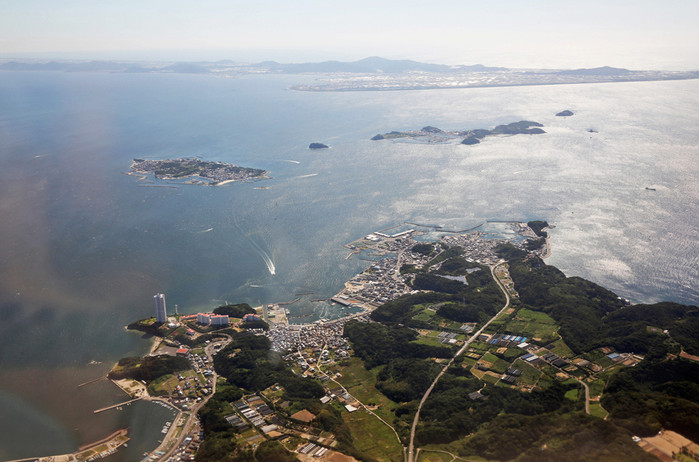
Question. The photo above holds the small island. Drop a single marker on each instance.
(431, 134)
(565, 113)
(318, 146)
(209, 173)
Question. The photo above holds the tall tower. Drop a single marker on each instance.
(160, 310)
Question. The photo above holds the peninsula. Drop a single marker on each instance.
(431, 134)
(199, 171)
(468, 345)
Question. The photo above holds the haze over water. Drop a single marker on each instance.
(85, 248)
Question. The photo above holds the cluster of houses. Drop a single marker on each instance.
(478, 248)
(312, 449)
(510, 375)
(311, 336)
(507, 341)
(257, 412)
(447, 337)
(200, 366)
(378, 284)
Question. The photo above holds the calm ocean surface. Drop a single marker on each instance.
(84, 248)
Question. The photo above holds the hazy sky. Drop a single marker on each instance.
(641, 34)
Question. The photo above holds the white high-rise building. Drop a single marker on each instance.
(160, 310)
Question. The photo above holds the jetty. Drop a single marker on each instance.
(97, 411)
(92, 381)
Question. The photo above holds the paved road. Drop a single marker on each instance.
(587, 395)
(317, 367)
(411, 446)
(187, 427)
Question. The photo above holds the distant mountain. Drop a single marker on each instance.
(186, 68)
(606, 70)
(88, 66)
(371, 65)
(19, 66)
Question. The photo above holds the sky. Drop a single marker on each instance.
(636, 34)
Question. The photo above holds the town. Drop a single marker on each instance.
(518, 348)
(213, 173)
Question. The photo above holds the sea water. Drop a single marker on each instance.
(86, 247)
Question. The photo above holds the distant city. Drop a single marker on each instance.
(368, 74)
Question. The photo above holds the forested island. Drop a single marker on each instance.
(431, 134)
(211, 173)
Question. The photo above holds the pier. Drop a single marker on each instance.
(92, 381)
(97, 411)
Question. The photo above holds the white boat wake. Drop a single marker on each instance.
(307, 176)
(292, 161)
(264, 255)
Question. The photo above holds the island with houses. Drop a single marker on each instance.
(197, 170)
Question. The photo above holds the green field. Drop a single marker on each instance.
(498, 366)
(428, 456)
(425, 315)
(532, 324)
(561, 349)
(596, 387)
(599, 358)
(167, 384)
(373, 437)
(429, 453)
(530, 374)
(573, 394)
(598, 411)
(430, 340)
(360, 383)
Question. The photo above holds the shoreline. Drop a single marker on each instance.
(496, 85)
(112, 442)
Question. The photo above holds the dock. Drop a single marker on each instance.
(92, 381)
(97, 411)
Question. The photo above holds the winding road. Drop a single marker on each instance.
(411, 446)
(170, 443)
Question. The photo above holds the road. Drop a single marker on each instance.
(187, 427)
(411, 445)
(587, 395)
(317, 367)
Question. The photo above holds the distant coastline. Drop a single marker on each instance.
(446, 84)
(368, 74)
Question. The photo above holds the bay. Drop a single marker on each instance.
(85, 247)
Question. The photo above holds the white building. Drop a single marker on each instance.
(219, 319)
(160, 310)
(212, 319)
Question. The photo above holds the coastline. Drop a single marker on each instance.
(320, 88)
(90, 451)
